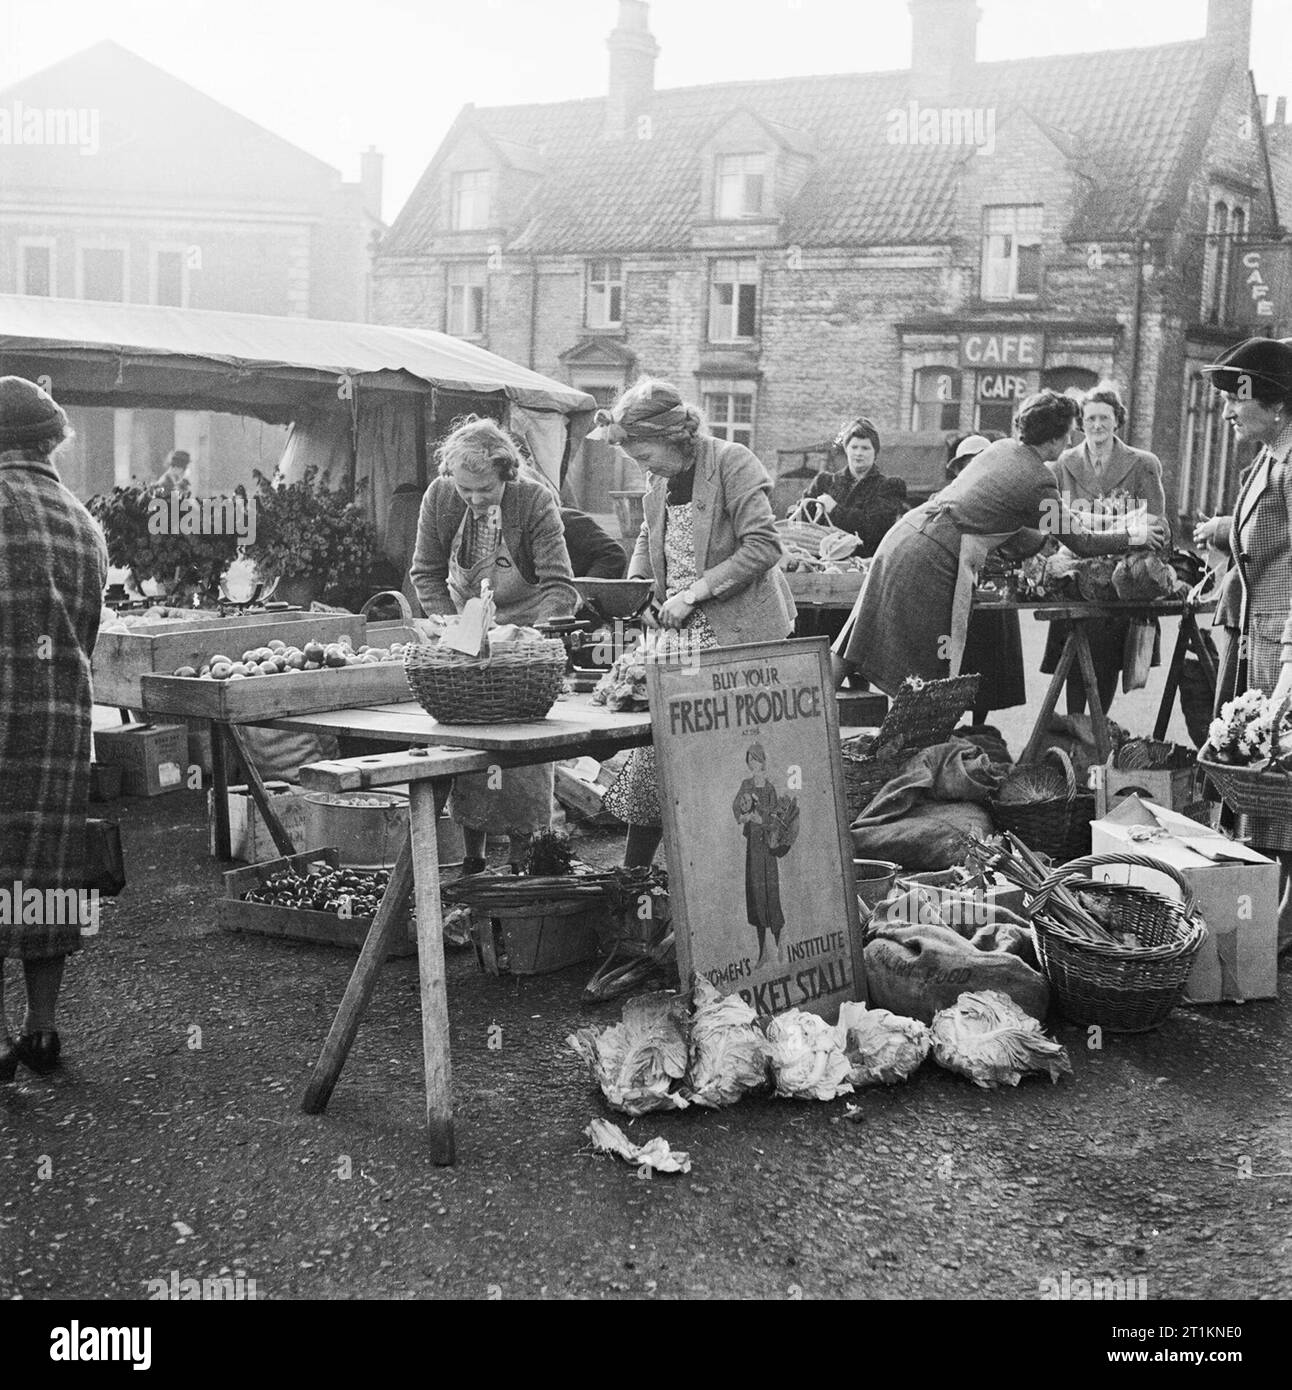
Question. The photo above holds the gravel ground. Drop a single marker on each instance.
(173, 1141)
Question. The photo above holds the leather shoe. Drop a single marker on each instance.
(8, 1059)
(38, 1051)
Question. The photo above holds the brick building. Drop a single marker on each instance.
(926, 245)
(123, 183)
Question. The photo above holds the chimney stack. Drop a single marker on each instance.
(1229, 31)
(370, 175)
(633, 51)
(944, 38)
(1281, 111)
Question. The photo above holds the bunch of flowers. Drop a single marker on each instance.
(1244, 732)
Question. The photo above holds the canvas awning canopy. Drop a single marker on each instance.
(365, 401)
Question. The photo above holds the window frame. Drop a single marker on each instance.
(456, 192)
(954, 404)
(734, 308)
(47, 244)
(743, 175)
(1013, 293)
(155, 251)
(464, 268)
(611, 283)
(725, 427)
(124, 248)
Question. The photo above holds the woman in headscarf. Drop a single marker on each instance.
(708, 540)
(480, 520)
(912, 615)
(1103, 471)
(1255, 608)
(53, 566)
(859, 498)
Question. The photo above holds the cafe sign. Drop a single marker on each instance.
(1259, 284)
(994, 387)
(1002, 351)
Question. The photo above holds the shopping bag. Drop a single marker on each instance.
(1137, 653)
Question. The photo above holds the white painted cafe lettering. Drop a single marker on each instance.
(1001, 349)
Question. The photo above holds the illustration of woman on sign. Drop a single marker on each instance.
(769, 823)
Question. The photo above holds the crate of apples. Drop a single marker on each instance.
(276, 658)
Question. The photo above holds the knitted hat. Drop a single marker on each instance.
(28, 415)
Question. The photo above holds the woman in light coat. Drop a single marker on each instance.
(708, 540)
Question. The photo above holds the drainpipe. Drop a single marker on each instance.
(1133, 408)
(533, 308)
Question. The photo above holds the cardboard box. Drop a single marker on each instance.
(1174, 790)
(153, 758)
(249, 837)
(1237, 891)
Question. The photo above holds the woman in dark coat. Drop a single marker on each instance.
(994, 643)
(1103, 469)
(912, 615)
(53, 566)
(859, 498)
(753, 808)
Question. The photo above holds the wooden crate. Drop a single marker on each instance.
(121, 659)
(258, 698)
(291, 923)
(825, 590)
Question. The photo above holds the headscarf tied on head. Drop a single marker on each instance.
(658, 412)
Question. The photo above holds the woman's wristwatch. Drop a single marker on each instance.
(688, 597)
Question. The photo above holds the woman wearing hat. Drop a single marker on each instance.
(1255, 606)
(708, 540)
(994, 641)
(481, 521)
(53, 566)
(753, 808)
(859, 498)
(1103, 469)
(912, 615)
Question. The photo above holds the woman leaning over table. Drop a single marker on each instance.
(708, 540)
(912, 615)
(1255, 608)
(1103, 469)
(480, 520)
(53, 566)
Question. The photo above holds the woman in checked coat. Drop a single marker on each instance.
(1255, 606)
(53, 566)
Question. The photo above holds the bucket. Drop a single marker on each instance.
(874, 878)
(367, 827)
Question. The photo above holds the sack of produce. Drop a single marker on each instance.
(929, 836)
(917, 970)
(883, 1048)
(728, 1053)
(807, 1061)
(986, 1037)
(636, 1062)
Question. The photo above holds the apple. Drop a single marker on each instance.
(314, 651)
(277, 645)
(268, 668)
(334, 656)
(186, 671)
(295, 661)
(221, 670)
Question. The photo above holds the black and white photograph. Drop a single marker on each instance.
(645, 656)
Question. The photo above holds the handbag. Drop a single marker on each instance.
(105, 863)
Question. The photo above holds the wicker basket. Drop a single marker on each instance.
(1120, 988)
(917, 719)
(513, 686)
(1058, 828)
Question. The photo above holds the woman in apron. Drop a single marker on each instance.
(1255, 607)
(481, 521)
(709, 541)
(912, 615)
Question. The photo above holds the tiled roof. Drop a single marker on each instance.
(1129, 119)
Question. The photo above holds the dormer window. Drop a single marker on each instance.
(739, 180)
(469, 200)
